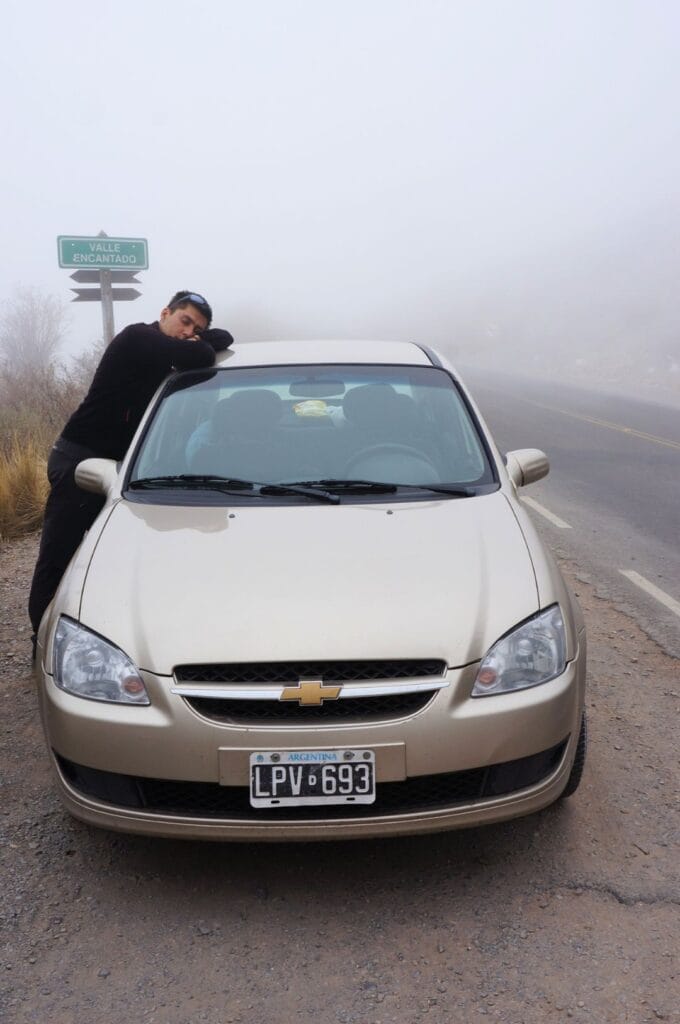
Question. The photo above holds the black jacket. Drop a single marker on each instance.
(132, 367)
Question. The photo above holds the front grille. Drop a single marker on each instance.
(358, 709)
(210, 800)
(287, 672)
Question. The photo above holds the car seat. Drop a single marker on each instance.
(244, 442)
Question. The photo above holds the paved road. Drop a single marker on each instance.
(615, 480)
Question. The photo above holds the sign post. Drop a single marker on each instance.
(105, 261)
(107, 304)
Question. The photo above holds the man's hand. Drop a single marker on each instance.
(217, 338)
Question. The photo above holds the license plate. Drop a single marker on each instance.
(293, 778)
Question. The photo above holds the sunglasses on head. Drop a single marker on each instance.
(194, 299)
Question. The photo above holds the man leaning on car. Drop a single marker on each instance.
(131, 369)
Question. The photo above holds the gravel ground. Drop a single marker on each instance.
(569, 914)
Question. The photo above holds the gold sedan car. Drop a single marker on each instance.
(312, 607)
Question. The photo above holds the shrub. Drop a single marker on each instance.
(23, 488)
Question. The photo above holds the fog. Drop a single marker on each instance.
(500, 179)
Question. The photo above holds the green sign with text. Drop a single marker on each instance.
(99, 253)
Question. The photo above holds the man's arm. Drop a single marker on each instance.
(199, 352)
(145, 345)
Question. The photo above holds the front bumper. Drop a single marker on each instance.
(456, 763)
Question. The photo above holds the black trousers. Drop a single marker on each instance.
(69, 513)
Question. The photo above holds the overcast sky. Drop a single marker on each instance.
(446, 170)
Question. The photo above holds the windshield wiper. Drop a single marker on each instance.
(192, 481)
(380, 487)
(226, 485)
(302, 488)
(359, 486)
(455, 492)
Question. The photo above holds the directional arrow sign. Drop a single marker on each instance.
(95, 294)
(117, 276)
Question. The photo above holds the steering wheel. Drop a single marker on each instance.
(387, 449)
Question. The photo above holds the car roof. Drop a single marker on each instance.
(268, 353)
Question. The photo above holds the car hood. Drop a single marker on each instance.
(441, 579)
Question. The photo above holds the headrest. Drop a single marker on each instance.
(370, 403)
(257, 408)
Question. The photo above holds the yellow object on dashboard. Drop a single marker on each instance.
(311, 407)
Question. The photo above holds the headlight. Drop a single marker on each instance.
(87, 666)
(533, 653)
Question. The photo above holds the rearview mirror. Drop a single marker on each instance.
(314, 387)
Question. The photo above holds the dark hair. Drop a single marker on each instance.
(185, 298)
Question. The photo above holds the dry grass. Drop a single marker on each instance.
(23, 487)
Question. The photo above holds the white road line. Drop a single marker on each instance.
(660, 595)
(550, 516)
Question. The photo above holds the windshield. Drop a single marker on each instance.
(318, 425)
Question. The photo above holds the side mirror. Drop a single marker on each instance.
(526, 465)
(96, 475)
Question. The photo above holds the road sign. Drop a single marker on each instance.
(102, 253)
(117, 276)
(104, 261)
(95, 294)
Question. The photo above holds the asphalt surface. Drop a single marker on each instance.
(614, 479)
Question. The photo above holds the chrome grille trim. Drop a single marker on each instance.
(227, 692)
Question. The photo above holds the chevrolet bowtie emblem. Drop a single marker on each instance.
(310, 691)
